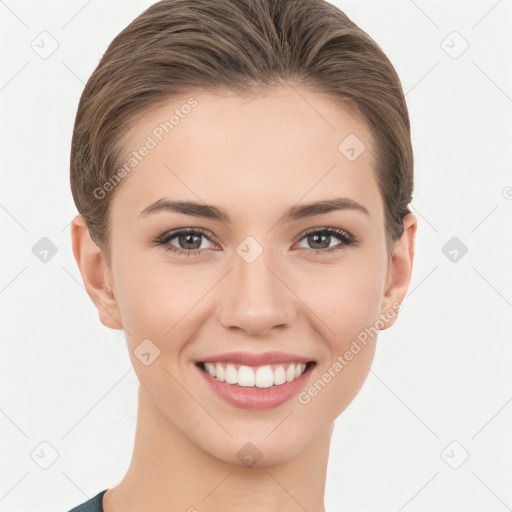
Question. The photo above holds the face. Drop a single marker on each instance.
(254, 273)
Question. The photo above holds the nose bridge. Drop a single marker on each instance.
(256, 299)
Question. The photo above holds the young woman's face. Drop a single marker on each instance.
(265, 277)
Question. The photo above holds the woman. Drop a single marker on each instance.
(243, 171)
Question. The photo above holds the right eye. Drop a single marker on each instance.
(186, 237)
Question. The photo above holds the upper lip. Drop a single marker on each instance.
(248, 359)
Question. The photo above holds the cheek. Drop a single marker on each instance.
(153, 295)
(350, 310)
(150, 303)
(348, 299)
(359, 302)
(153, 308)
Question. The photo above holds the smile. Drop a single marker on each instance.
(261, 376)
(255, 387)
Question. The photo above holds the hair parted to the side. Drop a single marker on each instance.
(179, 47)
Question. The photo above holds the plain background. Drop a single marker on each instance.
(431, 427)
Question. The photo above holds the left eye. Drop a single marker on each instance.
(319, 236)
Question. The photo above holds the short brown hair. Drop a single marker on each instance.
(176, 47)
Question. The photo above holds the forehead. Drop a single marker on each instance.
(277, 147)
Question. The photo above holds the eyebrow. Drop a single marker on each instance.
(293, 213)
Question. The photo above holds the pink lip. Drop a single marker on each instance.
(253, 397)
(249, 359)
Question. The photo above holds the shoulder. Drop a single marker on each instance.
(92, 505)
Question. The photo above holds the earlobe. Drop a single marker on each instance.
(95, 273)
(399, 273)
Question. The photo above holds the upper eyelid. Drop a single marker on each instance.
(326, 228)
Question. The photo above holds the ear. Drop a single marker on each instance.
(96, 275)
(399, 273)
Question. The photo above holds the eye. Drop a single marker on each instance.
(188, 240)
(320, 239)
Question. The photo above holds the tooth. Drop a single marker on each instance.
(231, 374)
(261, 377)
(221, 373)
(264, 377)
(290, 373)
(210, 368)
(246, 376)
(279, 375)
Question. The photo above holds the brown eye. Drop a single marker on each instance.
(189, 241)
(319, 240)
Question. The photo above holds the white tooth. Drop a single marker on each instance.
(279, 375)
(290, 373)
(261, 377)
(221, 373)
(210, 368)
(231, 374)
(264, 377)
(246, 376)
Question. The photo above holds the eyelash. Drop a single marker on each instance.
(163, 240)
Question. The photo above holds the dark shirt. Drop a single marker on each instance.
(92, 505)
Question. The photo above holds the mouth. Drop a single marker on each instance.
(266, 376)
(255, 387)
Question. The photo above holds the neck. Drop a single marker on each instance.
(168, 472)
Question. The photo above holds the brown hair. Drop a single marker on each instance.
(178, 46)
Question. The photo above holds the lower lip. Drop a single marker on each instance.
(257, 398)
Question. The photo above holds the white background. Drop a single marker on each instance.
(441, 376)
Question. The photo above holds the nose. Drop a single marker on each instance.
(256, 297)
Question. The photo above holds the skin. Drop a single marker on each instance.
(254, 157)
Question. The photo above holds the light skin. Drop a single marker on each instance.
(254, 158)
